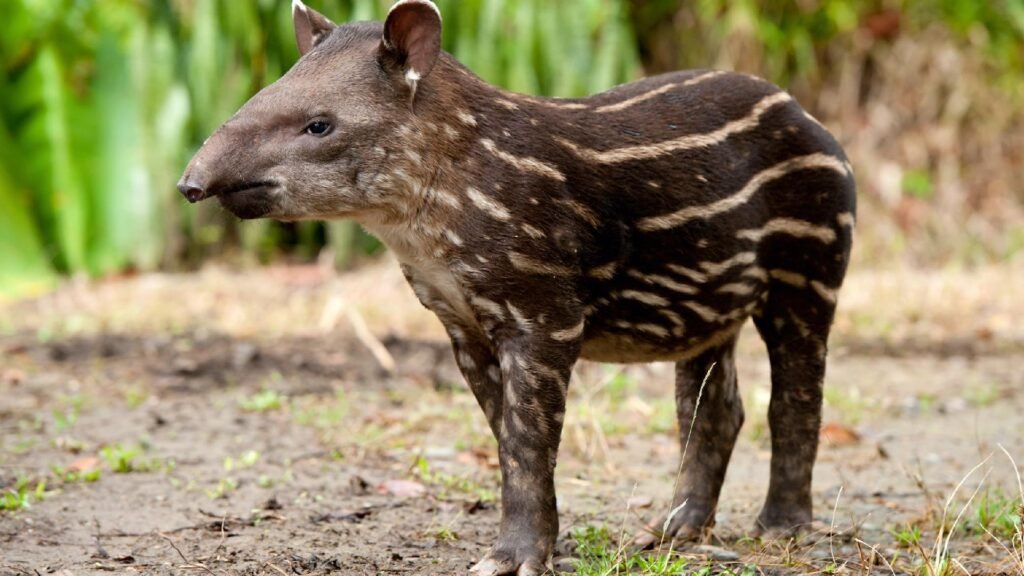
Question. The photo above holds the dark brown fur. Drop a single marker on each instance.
(542, 231)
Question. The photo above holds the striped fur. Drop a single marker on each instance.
(645, 223)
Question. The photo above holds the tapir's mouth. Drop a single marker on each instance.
(250, 200)
(264, 185)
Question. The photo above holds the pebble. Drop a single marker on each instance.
(566, 565)
(717, 554)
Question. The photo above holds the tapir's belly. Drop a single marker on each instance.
(652, 324)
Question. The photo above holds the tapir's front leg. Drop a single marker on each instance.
(535, 370)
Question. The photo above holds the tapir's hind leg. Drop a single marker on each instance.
(794, 324)
(719, 416)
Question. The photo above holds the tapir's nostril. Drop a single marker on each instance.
(192, 191)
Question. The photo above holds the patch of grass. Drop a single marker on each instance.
(134, 396)
(247, 460)
(445, 534)
(663, 418)
(323, 413)
(848, 402)
(996, 514)
(982, 396)
(23, 446)
(908, 537)
(452, 483)
(124, 459)
(265, 401)
(598, 555)
(223, 489)
(67, 414)
(22, 495)
(74, 476)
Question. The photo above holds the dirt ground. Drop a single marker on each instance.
(250, 422)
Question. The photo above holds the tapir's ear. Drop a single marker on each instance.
(311, 27)
(412, 38)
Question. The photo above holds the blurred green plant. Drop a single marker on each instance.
(105, 100)
(102, 102)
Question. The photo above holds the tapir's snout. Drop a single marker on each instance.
(193, 189)
(228, 169)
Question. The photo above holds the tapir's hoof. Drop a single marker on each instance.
(500, 564)
(690, 524)
(795, 527)
(652, 536)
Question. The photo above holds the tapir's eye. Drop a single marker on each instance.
(318, 128)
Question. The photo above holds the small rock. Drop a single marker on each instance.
(359, 485)
(717, 554)
(244, 354)
(186, 366)
(566, 565)
(838, 435)
(13, 376)
(639, 502)
(85, 465)
(402, 488)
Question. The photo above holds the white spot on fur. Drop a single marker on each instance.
(526, 164)
(789, 227)
(792, 278)
(809, 162)
(529, 265)
(569, 334)
(688, 142)
(525, 324)
(452, 237)
(466, 118)
(657, 92)
(664, 282)
(604, 272)
(644, 297)
(489, 306)
(494, 373)
(737, 288)
(827, 294)
(533, 232)
(466, 361)
(488, 205)
(582, 211)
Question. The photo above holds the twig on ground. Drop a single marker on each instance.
(335, 308)
(275, 569)
(188, 563)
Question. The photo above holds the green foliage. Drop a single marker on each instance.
(105, 101)
(997, 514)
(22, 494)
(598, 556)
(264, 401)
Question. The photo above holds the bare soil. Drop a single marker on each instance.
(268, 438)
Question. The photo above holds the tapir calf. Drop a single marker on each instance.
(646, 223)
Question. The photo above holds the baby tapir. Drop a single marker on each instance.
(646, 223)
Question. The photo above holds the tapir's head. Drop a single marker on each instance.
(312, 144)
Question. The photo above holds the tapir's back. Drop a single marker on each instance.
(707, 188)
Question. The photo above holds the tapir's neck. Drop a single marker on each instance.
(432, 160)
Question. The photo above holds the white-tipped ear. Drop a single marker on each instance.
(311, 27)
(412, 38)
